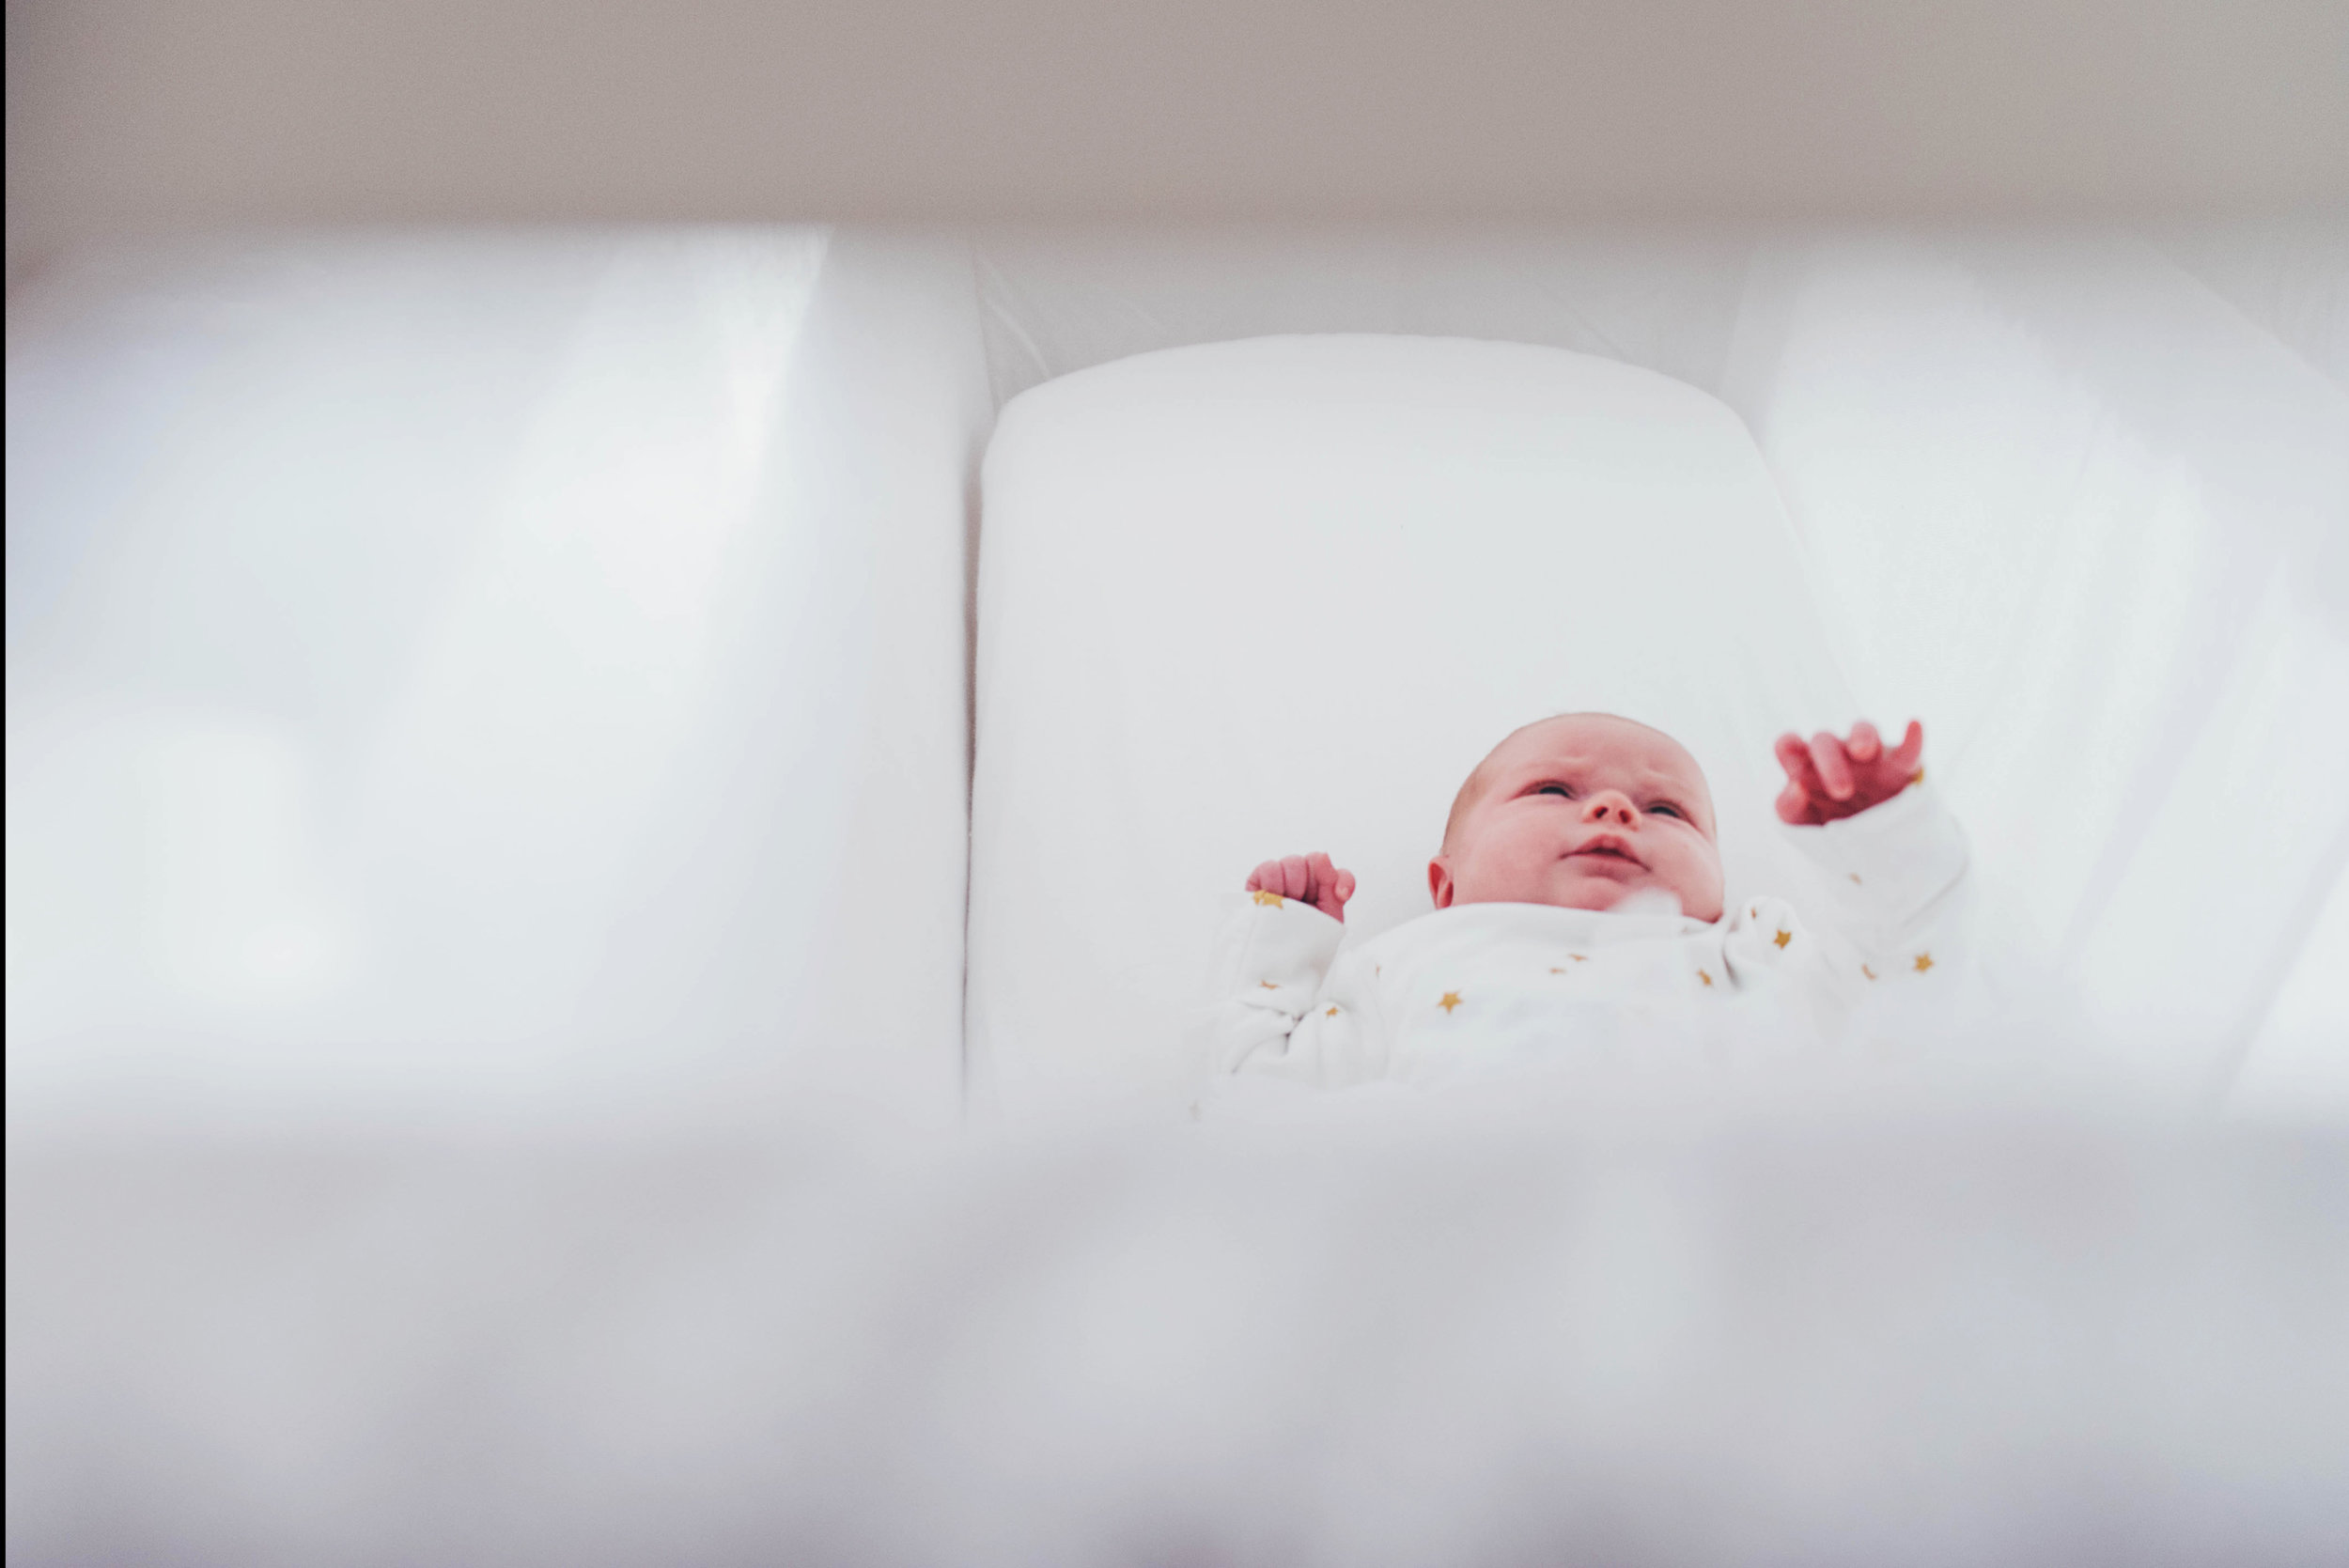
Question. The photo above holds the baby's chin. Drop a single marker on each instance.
(1648, 895)
(1601, 896)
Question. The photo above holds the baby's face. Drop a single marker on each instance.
(1584, 811)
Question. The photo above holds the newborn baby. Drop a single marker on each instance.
(1578, 906)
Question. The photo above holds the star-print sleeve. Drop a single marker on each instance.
(1892, 880)
(1280, 1006)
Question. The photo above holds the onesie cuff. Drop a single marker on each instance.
(1890, 861)
(1280, 949)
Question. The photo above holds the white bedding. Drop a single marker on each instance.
(1280, 596)
(2081, 500)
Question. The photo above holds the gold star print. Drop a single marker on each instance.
(1784, 938)
(1706, 978)
(1555, 969)
(1267, 896)
(1854, 879)
(1918, 777)
(1451, 999)
(1333, 1012)
(1866, 971)
(1578, 957)
(1268, 985)
(1924, 962)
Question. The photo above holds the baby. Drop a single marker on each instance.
(1578, 900)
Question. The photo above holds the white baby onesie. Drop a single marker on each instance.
(1484, 987)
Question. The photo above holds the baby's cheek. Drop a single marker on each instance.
(1701, 884)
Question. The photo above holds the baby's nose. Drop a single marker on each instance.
(1610, 805)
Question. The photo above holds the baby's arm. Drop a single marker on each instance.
(1278, 1006)
(1891, 858)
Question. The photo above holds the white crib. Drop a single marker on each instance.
(539, 1029)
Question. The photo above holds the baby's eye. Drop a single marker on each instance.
(1557, 789)
(1665, 808)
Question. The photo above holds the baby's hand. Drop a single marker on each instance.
(1308, 877)
(1828, 779)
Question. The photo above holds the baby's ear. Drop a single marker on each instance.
(1439, 882)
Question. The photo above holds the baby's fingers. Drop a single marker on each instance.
(1827, 755)
(1793, 804)
(1264, 879)
(1794, 758)
(1912, 747)
(1296, 877)
(1865, 744)
(1331, 887)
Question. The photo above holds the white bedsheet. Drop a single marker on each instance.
(1280, 595)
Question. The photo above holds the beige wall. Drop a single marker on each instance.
(128, 115)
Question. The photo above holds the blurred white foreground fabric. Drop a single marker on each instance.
(488, 749)
(1599, 1336)
(490, 676)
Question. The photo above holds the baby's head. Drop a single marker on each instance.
(1584, 811)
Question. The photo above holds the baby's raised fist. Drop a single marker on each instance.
(1309, 879)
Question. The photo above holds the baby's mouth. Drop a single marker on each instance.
(1608, 847)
